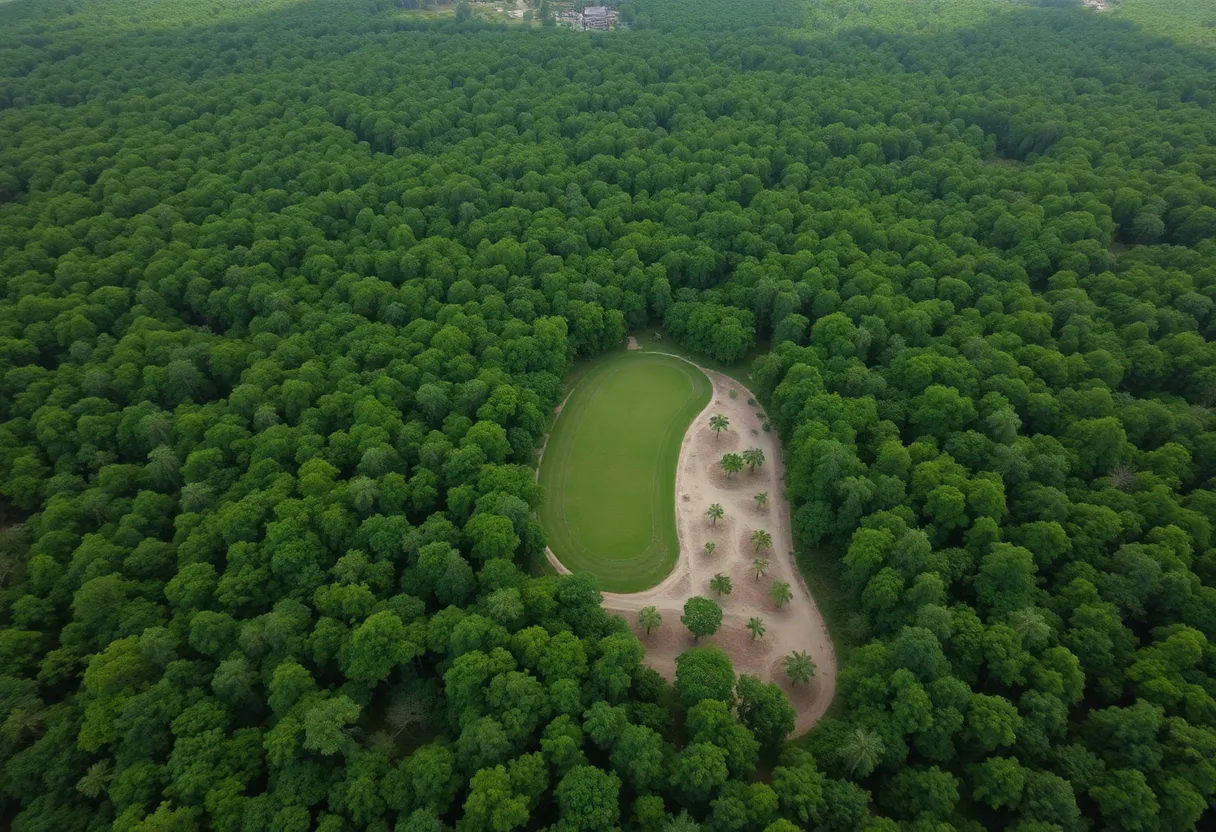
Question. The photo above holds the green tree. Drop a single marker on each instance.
(699, 770)
(761, 539)
(780, 593)
(761, 499)
(720, 584)
(649, 619)
(799, 668)
(588, 800)
(714, 513)
(704, 673)
(701, 616)
(326, 725)
(756, 626)
(753, 458)
(731, 464)
(710, 548)
(861, 751)
(718, 423)
(760, 566)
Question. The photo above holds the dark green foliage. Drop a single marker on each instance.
(289, 290)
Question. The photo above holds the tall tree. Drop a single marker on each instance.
(649, 618)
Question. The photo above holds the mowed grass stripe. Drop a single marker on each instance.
(610, 465)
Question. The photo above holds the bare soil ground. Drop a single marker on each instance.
(699, 482)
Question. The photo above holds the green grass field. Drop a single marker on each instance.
(610, 465)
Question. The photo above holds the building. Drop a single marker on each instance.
(598, 17)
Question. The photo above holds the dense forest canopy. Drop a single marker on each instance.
(289, 290)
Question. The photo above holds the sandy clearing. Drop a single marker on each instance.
(699, 482)
(632, 344)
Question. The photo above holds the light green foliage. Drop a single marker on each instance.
(609, 468)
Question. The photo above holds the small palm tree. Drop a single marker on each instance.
(649, 618)
(761, 499)
(682, 822)
(760, 566)
(862, 751)
(96, 780)
(761, 539)
(780, 593)
(754, 457)
(710, 546)
(718, 423)
(721, 584)
(799, 668)
(714, 513)
(732, 464)
(757, 628)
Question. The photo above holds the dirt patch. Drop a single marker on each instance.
(632, 344)
(713, 445)
(724, 482)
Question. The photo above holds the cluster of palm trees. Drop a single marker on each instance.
(799, 667)
(753, 458)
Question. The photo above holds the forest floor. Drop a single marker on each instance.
(796, 626)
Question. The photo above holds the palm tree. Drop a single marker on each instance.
(721, 584)
(760, 566)
(754, 457)
(757, 628)
(862, 751)
(761, 539)
(714, 512)
(682, 822)
(96, 780)
(780, 593)
(710, 546)
(799, 668)
(163, 468)
(718, 423)
(761, 499)
(649, 618)
(732, 464)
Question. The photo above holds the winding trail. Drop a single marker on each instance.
(798, 625)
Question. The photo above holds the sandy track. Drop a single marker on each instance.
(700, 482)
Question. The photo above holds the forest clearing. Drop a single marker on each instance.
(723, 545)
(609, 464)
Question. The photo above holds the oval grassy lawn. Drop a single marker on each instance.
(610, 467)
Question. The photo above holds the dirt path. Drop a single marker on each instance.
(700, 482)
